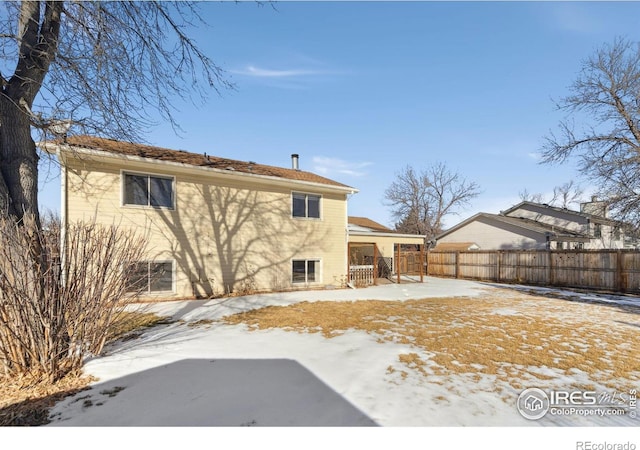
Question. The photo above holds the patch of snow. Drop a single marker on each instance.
(505, 312)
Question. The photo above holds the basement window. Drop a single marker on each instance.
(148, 190)
(305, 270)
(150, 276)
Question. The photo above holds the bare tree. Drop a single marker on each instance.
(563, 196)
(55, 314)
(567, 194)
(420, 201)
(607, 148)
(101, 67)
(527, 196)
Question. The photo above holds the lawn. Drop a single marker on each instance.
(520, 339)
(446, 352)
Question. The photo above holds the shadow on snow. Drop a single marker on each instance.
(206, 392)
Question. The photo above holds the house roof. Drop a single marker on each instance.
(368, 223)
(194, 159)
(592, 217)
(527, 224)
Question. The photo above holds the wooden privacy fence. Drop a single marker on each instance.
(614, 270)
(409, 262)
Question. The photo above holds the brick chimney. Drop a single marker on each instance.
(595, 207)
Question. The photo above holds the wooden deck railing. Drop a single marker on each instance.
(361, 275)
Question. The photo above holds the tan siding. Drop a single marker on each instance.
(223, 235)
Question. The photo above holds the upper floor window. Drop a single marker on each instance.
(597, 230)
(306, 205)
(148, 190)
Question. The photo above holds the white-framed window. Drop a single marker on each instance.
(150, 276)
(305, 205)
(154, 191)
(305, 271)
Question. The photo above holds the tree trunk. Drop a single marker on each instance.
(18, 163)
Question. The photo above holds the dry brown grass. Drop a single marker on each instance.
(26, 402)
(23, 403)
(201, 323)
(129, 321)
(508, 335)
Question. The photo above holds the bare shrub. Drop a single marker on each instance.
(56, 307)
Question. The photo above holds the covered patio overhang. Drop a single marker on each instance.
(373, 255)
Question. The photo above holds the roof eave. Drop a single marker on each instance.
(58, 148)
(382, 234)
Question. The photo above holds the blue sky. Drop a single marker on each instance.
(362, 89)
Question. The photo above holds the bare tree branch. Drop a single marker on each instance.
(420, 201)
(108, 67)
(608, 149)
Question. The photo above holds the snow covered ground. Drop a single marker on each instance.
(201, 372)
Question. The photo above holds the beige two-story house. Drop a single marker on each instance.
(214, 225)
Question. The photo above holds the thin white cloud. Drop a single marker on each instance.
(335, 166)
(536, 156)
(259, 72)
(574, 17)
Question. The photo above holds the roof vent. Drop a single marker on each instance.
(294, 161)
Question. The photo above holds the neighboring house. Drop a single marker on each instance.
(369, 239)
(214, 225)
(529, 225)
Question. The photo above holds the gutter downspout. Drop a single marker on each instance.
(63, 215)
(346, 246)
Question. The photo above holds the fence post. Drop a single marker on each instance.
(457, 264)
(498, 264)
(348, 262)
(375, 264)
(552, 278)
(398, 265)
(619, 271)
(422, 264)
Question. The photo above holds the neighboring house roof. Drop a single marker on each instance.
(194, 159)
(456, 246)
(364, 222)
(527, 224)
(591, 217)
